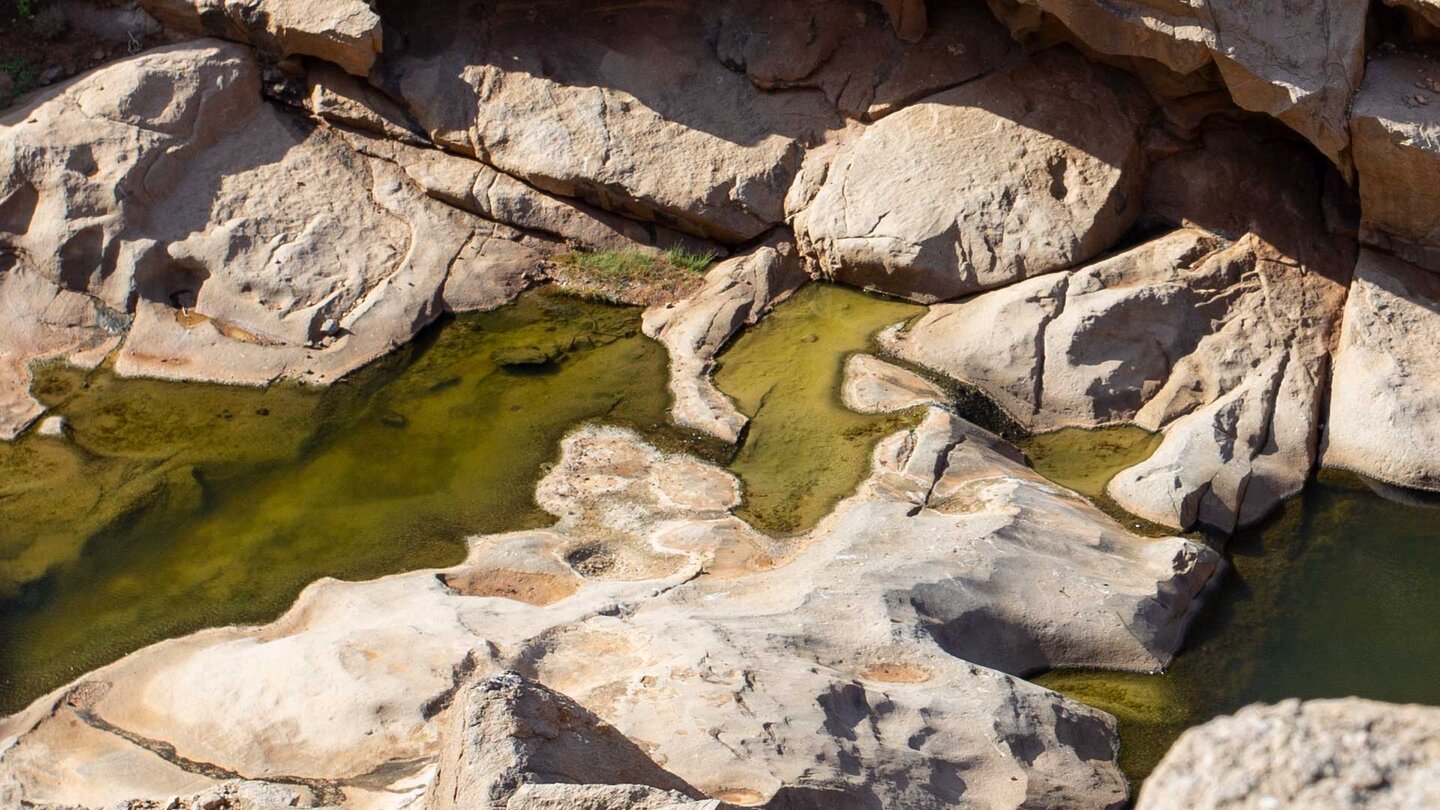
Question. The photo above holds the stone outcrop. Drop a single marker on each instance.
(1220, 339)
(1383, 404)
(1022, 172)
(873, 385)
(1300, 64)
(1395, 125)
(625, 106)
(736, 292)
(237, 242)
(344, 32)
(653, 607)
(1321, 754)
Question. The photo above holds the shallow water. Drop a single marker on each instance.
(177, 506)
(1336, 595)
(804, 450)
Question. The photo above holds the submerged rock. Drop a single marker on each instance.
(1321, 754)
(953, 552)
(1020, 173)
(1385, 400)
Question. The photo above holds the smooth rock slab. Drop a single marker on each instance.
(873, 385)
(825, 670)
(1385, 396)
(1320, 754)
(1017, 174)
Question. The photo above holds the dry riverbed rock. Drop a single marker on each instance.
(1385, 399)
(862, 664)
(1300, 63)
(1020, 173)
(1320, 754)
(736, 292)
(236, 241)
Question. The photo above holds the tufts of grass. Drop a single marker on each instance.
(631, 276)
(22, 75)
(26, 8)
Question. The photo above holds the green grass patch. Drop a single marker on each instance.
(632, 276)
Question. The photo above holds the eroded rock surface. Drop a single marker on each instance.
(1383, 403)
(1020, 173)
(236, 241)
(1322, 754)
(1299, 63)
(751, 670)
(736, 292)
(873, 385)
(345, 32)
(1396, 128)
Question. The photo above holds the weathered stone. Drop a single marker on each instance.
(1014, 175)
(875, 386)
(953, 550)
(1385, 392)
(510, 733)
(1395, 125)
(247, 244)
(626, 106)
(1321, 754)
(907, 16)
(1427, 10)
(345, 32)
(835, 46)
(1298, 63)
(736, 292)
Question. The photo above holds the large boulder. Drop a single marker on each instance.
(626, 106)
(885, 685)
(1385, 392)
(1395, 125)
(235, 240)
(1300, 63)
(1320, 754)
(345, 32)
(1017, 174)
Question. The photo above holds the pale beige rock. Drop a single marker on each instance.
(953, 550)
(1320, 754)
(247, 243)
(907, 16)
(626, 106)
(1385, 392)
(1395, 125)
(345, 32)
(1300, 64)
(1014, 175)
(872, 385)
(737, 292)
(513, 743)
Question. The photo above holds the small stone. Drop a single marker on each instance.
(52, 426)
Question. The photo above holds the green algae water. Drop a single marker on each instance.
(1335, 595)
(804, 450)
(179, 506)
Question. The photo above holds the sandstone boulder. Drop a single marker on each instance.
(626, 106)
(736, 292)
(1383, 397)
(1395, 125)
(829, 670)
(1017, 174)
(345, 32)
(1300, 64)
(1321, 754)
(236, 241)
